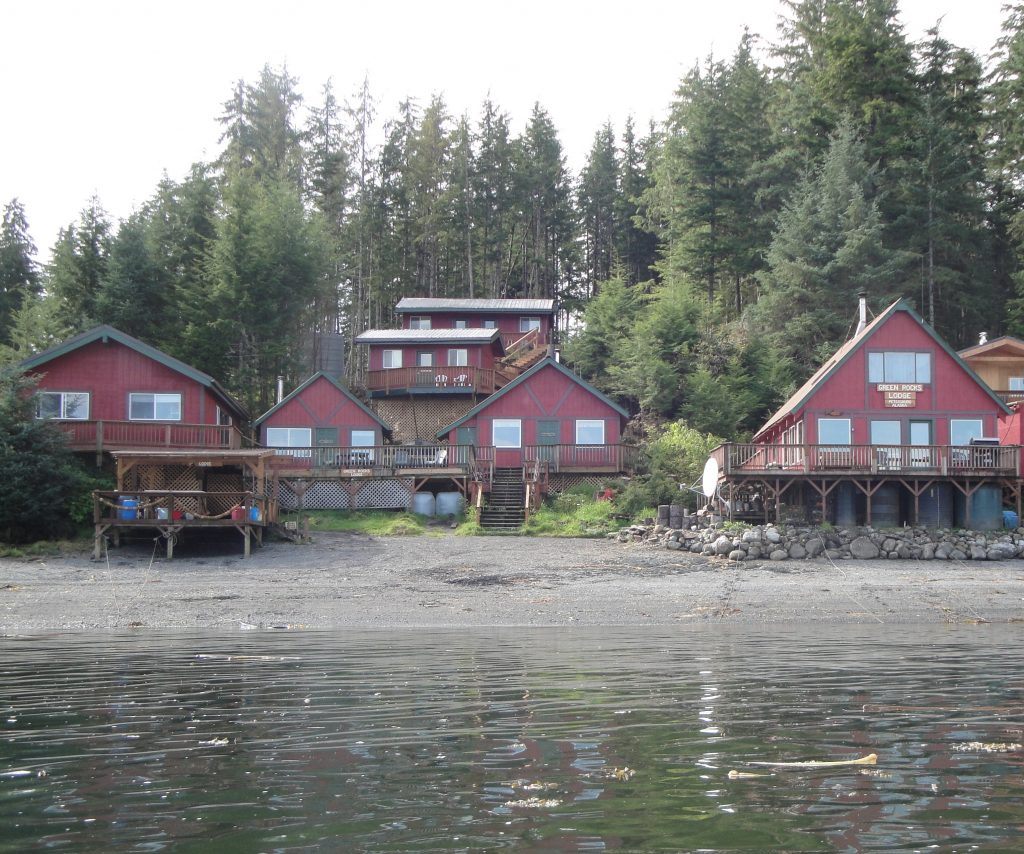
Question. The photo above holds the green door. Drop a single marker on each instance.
(464, 436)
(326, 439)
(548, 433)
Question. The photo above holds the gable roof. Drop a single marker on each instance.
(429, 336)
(522, 378)
(1003, 341)
(850, 347)
(494, 306)
(318, 375)
(106, 333)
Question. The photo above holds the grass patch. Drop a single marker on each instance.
(574, 513)
(46, 548)
(379, 523)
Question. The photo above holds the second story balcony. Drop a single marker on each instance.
(431, 380)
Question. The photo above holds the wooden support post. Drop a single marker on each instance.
(246, 529)
(169, 534)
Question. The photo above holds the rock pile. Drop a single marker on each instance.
(768, 542)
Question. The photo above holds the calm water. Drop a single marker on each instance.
(551, 740)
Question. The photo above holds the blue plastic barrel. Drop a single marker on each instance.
(129, 509)
(1010, 519)
(254, 513)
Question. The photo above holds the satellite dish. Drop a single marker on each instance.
(709, 480)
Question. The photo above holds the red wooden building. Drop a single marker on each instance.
(547, 415)
(894, 428)
(1000, 363)
(321, 421)
(110, 391)
(513, 318)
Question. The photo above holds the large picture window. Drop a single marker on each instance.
(143, 406)
(833, 431)
(507, 433)
(898, 366)
(291, 437)
(589, 432)
(419, 323)
(528, 323)
(962, 430)
(68, 405)
(391, 359)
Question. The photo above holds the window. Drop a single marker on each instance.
(490, 324)
(70, 405)
(154, 407)
(589, 432)
(419, 323)
(833, 431)
(424, 359)
(461, 324)
(391, 359)
(363, 439)
(458, 357)
(291, 437)
(507, 433)
(893, 366)
(528, 323)
(962, 430)
(885, 432)
(1016, 384)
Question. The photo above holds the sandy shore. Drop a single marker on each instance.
(353, 581)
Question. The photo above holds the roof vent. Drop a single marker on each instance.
(982, 338)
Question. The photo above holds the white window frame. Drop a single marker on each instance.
(962, 421)
(390, 355)
(363, 439)
(879, 368)
(528, 323)
(515, 424)
(424, 359)
(460, 323)
(1015, 384)
(585, 424)
(419, 321)
(159, 399)
(283, 438)
(849, 430)
(490, 324)
(460, 359)
(63, 409)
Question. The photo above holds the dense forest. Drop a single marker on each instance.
(702, 268)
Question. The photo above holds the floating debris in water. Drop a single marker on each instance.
(214, 742)
(988, 746)
(870, 759)
(534, 803)
(876, 772)
(745, 775)
(529, 785)
(620, 774)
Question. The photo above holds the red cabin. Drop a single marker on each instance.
(111, 391)
(547, 415)
(515, 319)
(895, 417)
(321, 423)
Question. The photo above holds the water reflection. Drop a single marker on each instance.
(550, 740)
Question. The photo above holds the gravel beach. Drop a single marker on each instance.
(356, 581)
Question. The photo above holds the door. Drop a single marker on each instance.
(464, 436)
(326, 439)
(921, 440)
(547, 436)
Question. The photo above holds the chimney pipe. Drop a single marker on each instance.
(982, 338)
(280, 389)
(862, 303)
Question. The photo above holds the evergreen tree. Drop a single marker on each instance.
(19, 274)
(134, 291)
(79, 264)
(494, 211)
(634, 246)
(597, 199)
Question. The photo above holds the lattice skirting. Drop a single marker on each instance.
(423, 417)
(336, 494)
(562, 482)
(223, 482)
(156, 477)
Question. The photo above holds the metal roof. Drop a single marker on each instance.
(495, 306)
(428, 336)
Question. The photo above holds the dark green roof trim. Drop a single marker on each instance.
(318, 375)
(105, 333)
(876, 324)
(522, 378)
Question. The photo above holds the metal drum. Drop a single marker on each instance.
(936, 506)
(885, 506)
(986, 509)
(846, 505)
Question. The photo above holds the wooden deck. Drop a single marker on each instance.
(463, 379)
(106, 435)
(584, 459)
(737, 460)
(375, 461)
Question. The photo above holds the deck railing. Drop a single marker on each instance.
(594, 458)
(101, 435)
(139, 507)
(377, 458)
(461, 378)
(1009, 396)
(513, 341)
(738, 458)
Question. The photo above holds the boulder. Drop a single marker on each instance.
(797, 551)
(978, 552)
(778, 554)
(737, 555)
(772, 535)
(723, 545)
(815, 547)
(863, 549)
(673, 544)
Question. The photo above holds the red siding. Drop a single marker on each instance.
(952, 392)
(546, 396)
(321, 404)
(109, 372)
(508, 323)
(479, 355)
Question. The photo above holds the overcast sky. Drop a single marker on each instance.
(102, 97)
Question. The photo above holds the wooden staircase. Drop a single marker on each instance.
(505, 510)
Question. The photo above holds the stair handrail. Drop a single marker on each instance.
(535, 332)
